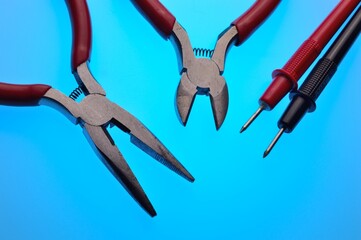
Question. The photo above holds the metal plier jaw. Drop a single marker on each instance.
(94, 113)
(203, 76)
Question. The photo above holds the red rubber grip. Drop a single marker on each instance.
(285, 79)
(162, 20)
(333, 22)
(248, 22)
(80, 19)
(14, 94)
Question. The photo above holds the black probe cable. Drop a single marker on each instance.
(304, 99)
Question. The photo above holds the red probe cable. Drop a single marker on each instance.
(285, 79)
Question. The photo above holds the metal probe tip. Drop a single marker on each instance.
(253, 117)
(273, 143)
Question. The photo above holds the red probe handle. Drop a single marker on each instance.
(14, 94)
(80, 19)
(248, 22)
(158, 15)
(285, 79)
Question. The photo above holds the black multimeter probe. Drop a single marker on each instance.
(304, 99)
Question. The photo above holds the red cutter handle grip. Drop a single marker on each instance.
(158, 15)
(28, 95)
(285, 79)
(81, 25)
(248, 22)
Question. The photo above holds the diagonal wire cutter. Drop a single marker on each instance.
(203, 76)
(94, 113)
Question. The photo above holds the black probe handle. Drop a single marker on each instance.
(304, 99)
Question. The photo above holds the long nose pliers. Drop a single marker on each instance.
(203, 76)
(94, 113)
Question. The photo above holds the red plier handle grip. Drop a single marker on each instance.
(249, 21)
(246, 24)
(82, 34)
(15, 94)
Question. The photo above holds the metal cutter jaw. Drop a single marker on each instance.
(202, 76)
(95, 113)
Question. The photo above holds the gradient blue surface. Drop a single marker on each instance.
(53, 186)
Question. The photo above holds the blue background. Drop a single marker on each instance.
(53, 186)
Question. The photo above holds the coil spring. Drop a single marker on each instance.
(203, 52)
(76, 93)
